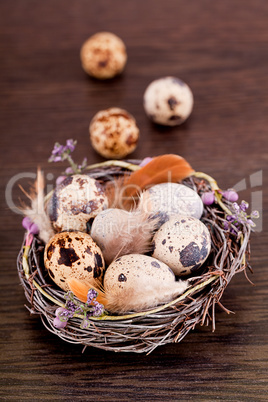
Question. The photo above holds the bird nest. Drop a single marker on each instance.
(166, 323)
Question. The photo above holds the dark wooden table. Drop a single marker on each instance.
(221, 50)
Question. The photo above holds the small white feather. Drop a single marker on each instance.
(118, 232)
(145, 296)
(36, 212)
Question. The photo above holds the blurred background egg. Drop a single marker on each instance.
(168, 199)
(114, 133)
(103, 55)
(73, 254)
(183, 243)
(75, 201)
(168, 101)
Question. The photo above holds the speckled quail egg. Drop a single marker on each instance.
(75, 201)
(103, 55)
(168, 101)
(114, 133)
(135, 282)
(168, 199)
(183, 243)
(73, 254)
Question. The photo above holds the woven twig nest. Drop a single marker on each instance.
(144, 331)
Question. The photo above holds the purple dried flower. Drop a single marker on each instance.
(255, 214)
(233, 231)
(57, 159)
(225, 225)
(251, 223)
(244, 206)
(85, 324)
(61, 153)
(239, 217)
(60, 179)
(70, 144)
(71, 306)
(58, 149)
(92, 294)
(208, 198)
(230, 195)
(98, 309)
(69, 170)
(236, 207)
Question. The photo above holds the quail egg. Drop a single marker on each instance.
(73, 254)
(183, 243)
(114, 133)
(75, 201)
(103, 55)
(168, 199)
(168, 101)
(135, 282)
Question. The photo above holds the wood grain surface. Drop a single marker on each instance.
(220, 48)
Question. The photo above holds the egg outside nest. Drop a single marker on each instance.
(168, 101)
(103, 55)
(114, 133)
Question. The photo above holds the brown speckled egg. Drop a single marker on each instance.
(183, 243)
(75, 201)
(114, 133)
(135, 282)
(103, 55)
(73, 254)
(168, 101)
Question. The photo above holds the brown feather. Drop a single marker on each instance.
(80, 289)
(164, 168)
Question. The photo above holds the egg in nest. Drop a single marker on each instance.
(73, 254)
(166, 200)
(136, 282)
(183, 243)
(75, 201)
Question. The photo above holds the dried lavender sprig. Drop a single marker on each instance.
(92, 308)
(61, 153)
(233, 222)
